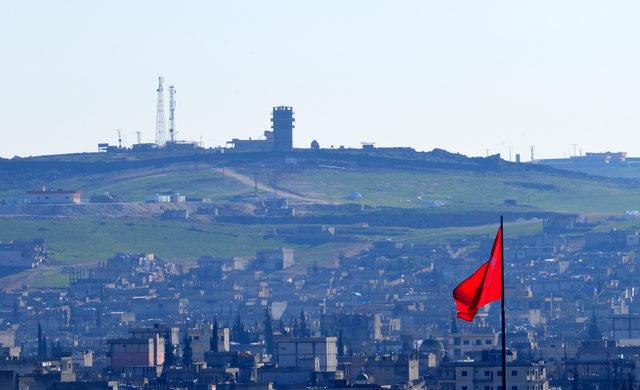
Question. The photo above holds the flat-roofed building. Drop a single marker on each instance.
(314, 353)
(462, 344)
(487, 374)
(274, 259)
(54, 196)
(136, 352)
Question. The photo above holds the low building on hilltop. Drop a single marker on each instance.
(54, 196)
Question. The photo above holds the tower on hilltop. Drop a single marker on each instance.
(282, 124)
(160, 118)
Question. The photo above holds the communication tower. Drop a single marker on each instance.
(172, 114)
(160, 125)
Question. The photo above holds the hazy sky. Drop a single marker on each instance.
(461, 75)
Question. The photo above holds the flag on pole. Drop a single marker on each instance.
(484, 286)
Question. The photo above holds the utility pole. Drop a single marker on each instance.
(139, 136)
(172, 114)
(119, 138)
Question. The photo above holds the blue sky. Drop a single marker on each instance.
(461, 75)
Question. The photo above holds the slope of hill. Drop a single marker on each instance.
(413, 180)
(410, 196)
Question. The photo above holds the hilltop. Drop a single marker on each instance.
(367, 196)
(394, 177)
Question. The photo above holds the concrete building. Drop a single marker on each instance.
(463, 344)
(274, 259)
(381, 369)
(223, 340)
(54, 196)
(136, 352)
(487, 374)
(626, 328)
(280, 139)
(312, 353)
(282, 124)
(23, 254)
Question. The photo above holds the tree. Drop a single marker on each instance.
(169, 354)
(238, 332)
(42, 343)
(213, 341)
(340, 344)
(187, 352)
(303, 327)
(268, 332)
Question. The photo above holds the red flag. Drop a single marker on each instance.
(484, 286)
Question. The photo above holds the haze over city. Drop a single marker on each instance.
(463, 76)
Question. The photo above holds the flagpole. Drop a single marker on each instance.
(504, 333)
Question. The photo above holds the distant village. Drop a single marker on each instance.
(383, 318)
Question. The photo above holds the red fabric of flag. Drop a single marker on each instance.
(484, 286)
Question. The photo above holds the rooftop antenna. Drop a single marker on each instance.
(172, 116)
(139, 136)
(119, 138)
(532, 148)
(509, 153)
(574, 150)
(160, 125)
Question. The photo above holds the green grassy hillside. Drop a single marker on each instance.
(459, 189)
(87, 239)
(466, 190)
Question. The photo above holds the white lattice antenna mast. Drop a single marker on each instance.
(172, 114)
(160, 122)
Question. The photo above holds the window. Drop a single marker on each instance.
(499, 373)
(514, 372)
(514, 387)
(478, 342)
(463, 388)
(465, 342)
(487, 388)
(487, 342)
(463, 373)
(487, 373)
(456, 341)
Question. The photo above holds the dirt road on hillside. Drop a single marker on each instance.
(244, 179)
